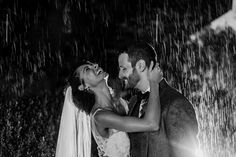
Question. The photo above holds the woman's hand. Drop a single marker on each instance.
(154, 74)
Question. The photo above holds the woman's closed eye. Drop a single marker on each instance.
(86, 69)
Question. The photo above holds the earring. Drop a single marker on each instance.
(87, 89)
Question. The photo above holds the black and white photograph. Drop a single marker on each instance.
(117, 78)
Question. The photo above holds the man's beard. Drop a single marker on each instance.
(132, 80)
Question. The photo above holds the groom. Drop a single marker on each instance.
(177, 136)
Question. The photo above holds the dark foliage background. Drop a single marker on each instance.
(42, 41)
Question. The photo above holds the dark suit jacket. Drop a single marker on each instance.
(177, 136)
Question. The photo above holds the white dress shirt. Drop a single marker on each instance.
(142, 102)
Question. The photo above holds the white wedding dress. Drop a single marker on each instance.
(116, 145)
(74, 138)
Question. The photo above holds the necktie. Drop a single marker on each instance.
(143, 104)
(144, 95)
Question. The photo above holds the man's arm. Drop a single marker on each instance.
(182, 129)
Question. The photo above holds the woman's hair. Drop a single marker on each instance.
(84, 99)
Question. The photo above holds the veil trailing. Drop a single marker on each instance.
(74, 139)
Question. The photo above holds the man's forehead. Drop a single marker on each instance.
(123, 59)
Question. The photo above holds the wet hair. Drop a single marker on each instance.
(84, 99)
(141, 50)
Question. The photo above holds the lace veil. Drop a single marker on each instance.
(74, 139)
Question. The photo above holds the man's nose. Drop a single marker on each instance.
(121, 75)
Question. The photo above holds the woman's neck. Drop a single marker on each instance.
(102, 96)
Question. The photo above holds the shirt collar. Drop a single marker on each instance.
(162, 85)
(147, 90)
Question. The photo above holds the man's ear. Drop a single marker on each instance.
(141, 65)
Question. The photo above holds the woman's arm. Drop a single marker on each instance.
(151, 119)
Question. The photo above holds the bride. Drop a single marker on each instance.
(90, 106)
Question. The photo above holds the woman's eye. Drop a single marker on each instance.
(86, 69)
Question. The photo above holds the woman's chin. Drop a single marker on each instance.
(105, 74)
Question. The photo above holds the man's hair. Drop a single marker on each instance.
(141, 50)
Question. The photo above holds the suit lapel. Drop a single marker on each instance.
(132, 104)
